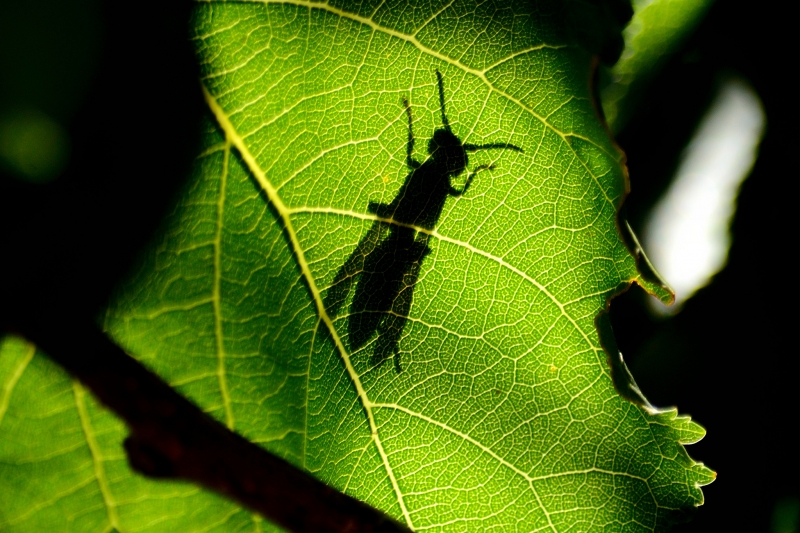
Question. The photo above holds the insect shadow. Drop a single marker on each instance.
(387, 261)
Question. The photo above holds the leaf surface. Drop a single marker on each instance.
(479, 397)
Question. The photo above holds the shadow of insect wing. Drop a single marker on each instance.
(381, 282)
(343, 282)
(391, 328)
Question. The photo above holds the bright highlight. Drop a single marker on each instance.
(687, 234)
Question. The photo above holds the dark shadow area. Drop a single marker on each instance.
(68, 242)
(386, 263)
(620, 374)
(729, 358)
(133, 124)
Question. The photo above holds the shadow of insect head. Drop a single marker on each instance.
(386, 263)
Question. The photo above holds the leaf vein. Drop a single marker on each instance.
(8, 387)
(284, 213)
(215, 292)
(97, 457)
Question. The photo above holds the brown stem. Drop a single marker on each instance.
(171, 438)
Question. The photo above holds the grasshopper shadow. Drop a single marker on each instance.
(385, 265)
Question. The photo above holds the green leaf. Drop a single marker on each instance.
(62, 466)
(503, 415)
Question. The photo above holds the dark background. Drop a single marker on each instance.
(124, 85)
(729, 357)
(726, 358)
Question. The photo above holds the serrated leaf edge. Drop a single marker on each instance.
(234, 138)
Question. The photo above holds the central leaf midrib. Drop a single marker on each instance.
(232, 135)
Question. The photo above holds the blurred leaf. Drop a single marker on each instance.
(786, 516)
(33, 146)
(657, 29)
(504, 413)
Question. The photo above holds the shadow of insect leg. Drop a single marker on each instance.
(391, 327)
(456, 192)
(352, 268)
(382, 210)
(412, 164)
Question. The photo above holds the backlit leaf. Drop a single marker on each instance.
(479, 397)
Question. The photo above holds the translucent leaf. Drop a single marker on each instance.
(433, 353)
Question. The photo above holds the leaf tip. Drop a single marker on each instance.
(649, 278)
